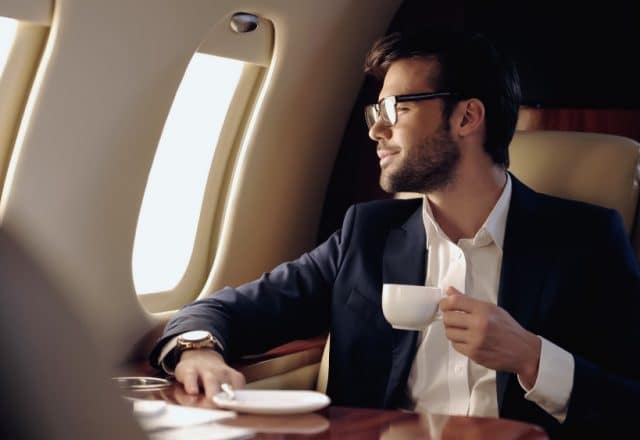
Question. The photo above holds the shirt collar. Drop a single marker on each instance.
(496, 223)
(430, 224)
(492, 229)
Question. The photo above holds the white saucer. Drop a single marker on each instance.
(272, 401)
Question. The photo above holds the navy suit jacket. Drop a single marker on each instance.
(568, 274)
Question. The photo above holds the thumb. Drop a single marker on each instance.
(451, 291)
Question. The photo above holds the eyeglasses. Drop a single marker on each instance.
(385, 109)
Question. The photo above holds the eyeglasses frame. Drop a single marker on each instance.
(400, 98)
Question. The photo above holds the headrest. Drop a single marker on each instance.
(597, 168)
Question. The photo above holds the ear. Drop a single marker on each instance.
(470, 117)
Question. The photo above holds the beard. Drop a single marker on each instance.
(425, 168)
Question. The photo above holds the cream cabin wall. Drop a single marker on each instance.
(92, 123)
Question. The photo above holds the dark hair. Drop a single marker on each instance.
(470, 66)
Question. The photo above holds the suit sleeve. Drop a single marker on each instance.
(606, 388)
(290, 302)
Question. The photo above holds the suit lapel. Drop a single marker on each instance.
(524, 267)
(404, 252)
(403, 263)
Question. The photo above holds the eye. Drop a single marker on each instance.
(402, 108)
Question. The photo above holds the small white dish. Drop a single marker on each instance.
(272, 401)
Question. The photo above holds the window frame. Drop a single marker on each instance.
(217, 188)
(16, 84)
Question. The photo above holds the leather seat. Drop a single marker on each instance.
(597, 168)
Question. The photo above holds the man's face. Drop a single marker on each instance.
(417, 154)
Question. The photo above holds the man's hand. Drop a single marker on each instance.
(489, 336)
(206, 368)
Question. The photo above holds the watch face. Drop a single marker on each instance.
(195, 336)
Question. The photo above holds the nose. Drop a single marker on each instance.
(379, 131)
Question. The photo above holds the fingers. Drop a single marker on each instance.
(207, 370)
(183, 398)
(457, 336)
(455, 319)
(211, 383)
(457, 301)
(189, 378)
(237, 379)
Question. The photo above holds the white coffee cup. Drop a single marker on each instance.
(410, 307)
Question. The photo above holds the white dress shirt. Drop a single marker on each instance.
(445, 381)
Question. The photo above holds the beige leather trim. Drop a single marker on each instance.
(280, 365)
(303, 378)
(323, 374)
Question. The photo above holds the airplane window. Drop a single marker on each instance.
(172, 201)
(7, 34)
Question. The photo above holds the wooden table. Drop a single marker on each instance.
(358, 423)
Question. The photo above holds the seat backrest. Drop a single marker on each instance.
(596, 168)
(591, 167)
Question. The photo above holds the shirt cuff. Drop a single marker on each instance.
(170, 345)
(554, 383)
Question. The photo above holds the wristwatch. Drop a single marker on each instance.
(195, 340)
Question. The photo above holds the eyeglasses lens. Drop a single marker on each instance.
(371, 114)
(388, 111)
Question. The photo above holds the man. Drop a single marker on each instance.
(541, 293)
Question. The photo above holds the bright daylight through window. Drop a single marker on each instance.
(7, 35)
(172, 201)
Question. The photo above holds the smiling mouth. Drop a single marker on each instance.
(386, 156)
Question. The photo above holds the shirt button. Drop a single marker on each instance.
(459, 369)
